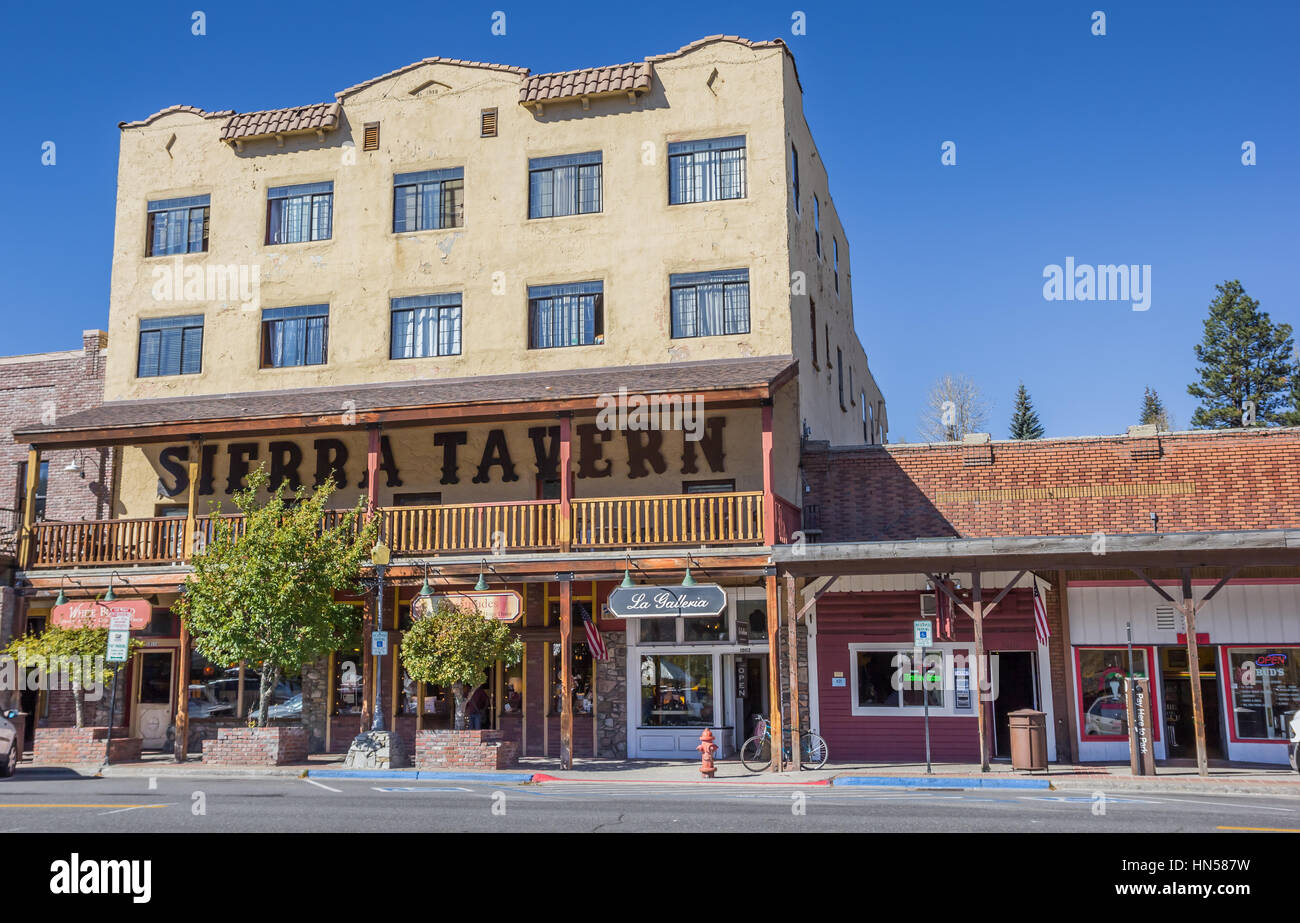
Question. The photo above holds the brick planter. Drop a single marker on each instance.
(262, 746)
(84, 745)
(471, 751)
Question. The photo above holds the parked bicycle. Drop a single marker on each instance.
(756, 753)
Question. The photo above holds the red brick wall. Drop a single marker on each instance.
(71, 746)
(470, 751)
(270, 746)
(57, 383)
(1239, 479)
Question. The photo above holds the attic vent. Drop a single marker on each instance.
(1166, 618)
(928, 607)
(488, 123)
(371, 137)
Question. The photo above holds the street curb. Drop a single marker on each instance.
(940, 782)
(544, 777)
(423, 775)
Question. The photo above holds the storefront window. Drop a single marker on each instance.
(584, 700)
(753, 613)
(348, 668)
(1265, 690)
(514, 690)
(1101, 684)
(705, 629)
(657, 631)
(889, 679)
(677, 690)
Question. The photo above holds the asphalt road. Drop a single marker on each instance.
(121, 804)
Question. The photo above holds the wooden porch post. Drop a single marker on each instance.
(192, 501)
(372, 469)
(977, 614)
(769, 479)
(792, 658)
(774, 670)
(182, 742)
(566, 489)
(566, 672)
(1194, 672)
(27, 551)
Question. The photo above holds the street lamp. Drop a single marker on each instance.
(379, 556)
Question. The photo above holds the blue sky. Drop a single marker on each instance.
(1123, 148)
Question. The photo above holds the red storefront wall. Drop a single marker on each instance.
(886, 617)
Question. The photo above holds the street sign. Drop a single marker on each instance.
(923, 635)
(117, 645)
(644, 602)
(378, 643)
(119, 622)
(95, 613)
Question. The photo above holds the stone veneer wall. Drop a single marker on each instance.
(611, 698)
(315, 699)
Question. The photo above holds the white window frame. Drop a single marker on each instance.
(948, 709)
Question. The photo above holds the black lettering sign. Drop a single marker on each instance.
(644, 448)
(591, 454)
(286, 457)
(495, 454)
(242, 454)
(331, 461)
(387, 464)
(170, 461)
(643, 602)
(449, 443)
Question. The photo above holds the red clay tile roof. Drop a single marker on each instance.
(591, 81)
(170, 109)
(701, 376)
(316, 117)
(458, 62)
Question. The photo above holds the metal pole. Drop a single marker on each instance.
(112, 706)
(925, 697)
(378, 723)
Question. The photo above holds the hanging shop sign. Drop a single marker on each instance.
(645, 602)
(502, 605)
(118, 642)
(95, 613)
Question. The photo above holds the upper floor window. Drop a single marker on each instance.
(297, 214)
(868, 420)
(426, 325)
(812, 318)
(294, 336)
(170, 346)
(839, 366)
(710, 303)
(835, 248)
(429, 201)
(817, 225)
(566, 315)
(178, 225)
(565, 185)
(42, 489)
(705, 171)
(794, 175)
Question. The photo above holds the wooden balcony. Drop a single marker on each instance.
(691, 520)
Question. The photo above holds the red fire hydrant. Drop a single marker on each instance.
(707, 748)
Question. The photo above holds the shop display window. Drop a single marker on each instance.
(677, 690)
(1265, 683)
(889, 679)
(1102, 704)
(584, 686)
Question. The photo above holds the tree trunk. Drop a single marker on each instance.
(79, 704)
(458, 691)
(267, 687)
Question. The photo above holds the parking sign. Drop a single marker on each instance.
(922, 636)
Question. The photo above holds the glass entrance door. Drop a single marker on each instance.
(1176, 684)
(154, 704)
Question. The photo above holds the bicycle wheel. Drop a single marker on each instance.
(756, 755)
(813, 751)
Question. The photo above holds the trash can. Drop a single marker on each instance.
(1028, 739)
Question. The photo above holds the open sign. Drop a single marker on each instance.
(1271, 660)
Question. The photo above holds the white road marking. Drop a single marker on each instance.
(153, 782)
(337, 791)
(413, 788)
(1224, 804)
(134, 807)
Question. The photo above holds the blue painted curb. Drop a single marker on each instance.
(940, 782)
(421, 775)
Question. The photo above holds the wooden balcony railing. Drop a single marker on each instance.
(684, 519)
(472, 527)
(531, 525)
(158, 540)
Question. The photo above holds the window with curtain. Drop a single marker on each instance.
(566, 315)
(425, 325)
(178, 225)
(170, 346)
(294, 336)
(565, 185)
(710, 303)
(297, 214)
(706, 171)
(429, 201)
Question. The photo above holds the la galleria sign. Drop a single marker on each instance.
(293, 463)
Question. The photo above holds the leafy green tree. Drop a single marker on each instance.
(1024, 419)
(452, 647)
(75, 653)
(264, 593)
(1154, 412)
(1243, 357)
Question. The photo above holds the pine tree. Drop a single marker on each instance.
(1024, 419)
(1153, 411)
(1242, 357)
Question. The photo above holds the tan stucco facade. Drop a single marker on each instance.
(429, 118)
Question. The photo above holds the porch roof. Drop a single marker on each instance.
(1043, 552)
(721, 382)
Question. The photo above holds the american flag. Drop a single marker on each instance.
(1040, 617)
(595, 643)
